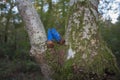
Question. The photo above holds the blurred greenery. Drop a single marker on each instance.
(111, 35)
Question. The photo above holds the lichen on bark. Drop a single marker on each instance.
(91, 54)
(36, 33)
(33, 26)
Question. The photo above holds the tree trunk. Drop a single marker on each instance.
(7, 24)
(87, 52)
(36, 34)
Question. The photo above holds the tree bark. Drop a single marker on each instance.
(7, 24)
(36, 34)
(87, 52)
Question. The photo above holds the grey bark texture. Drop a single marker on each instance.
(86, 49)
(36, 34)
(82, 27)
(34, 26)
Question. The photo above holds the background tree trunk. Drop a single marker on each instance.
(7, 24)
(36, 34)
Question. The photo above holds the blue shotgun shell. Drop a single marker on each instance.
(56, 34)
(49, 35)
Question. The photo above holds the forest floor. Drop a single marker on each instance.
(19, 70)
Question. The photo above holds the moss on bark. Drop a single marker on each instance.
(92, 59)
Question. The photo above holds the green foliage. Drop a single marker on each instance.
(55, 16)
(19, 70)
(16, 63)
(110, 33)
